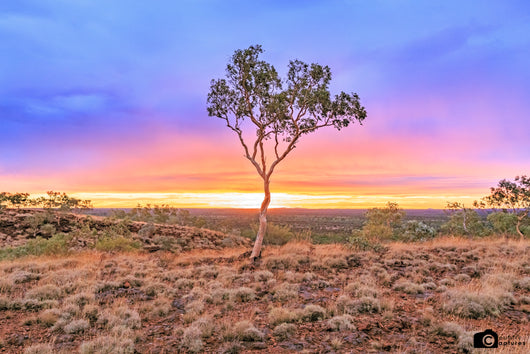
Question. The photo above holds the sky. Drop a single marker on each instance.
(106, 100)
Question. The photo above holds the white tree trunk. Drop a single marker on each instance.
(256, 251)
(517, 227)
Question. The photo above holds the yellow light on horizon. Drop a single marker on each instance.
(278, 200)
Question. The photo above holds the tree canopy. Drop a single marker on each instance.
(275, 113)
(513, 197)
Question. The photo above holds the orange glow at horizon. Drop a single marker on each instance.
(279, 200)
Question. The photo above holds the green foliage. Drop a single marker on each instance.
(254, 90)
(279, 112)
(165, 243)
(361, 242)
(56, 245)
(275, 234)
(503, 223)
(414, 230)
(14, 200)
(278, 234)
(61, 201)
(383, 223)
(156, 214)
(54, 200)
(463, 221)
(147, 230)
(514, 198)
(120, 243)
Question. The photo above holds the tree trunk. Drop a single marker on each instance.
(465, 225)
(256, 251)
(519, 219)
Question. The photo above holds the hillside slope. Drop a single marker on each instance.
(19, 226)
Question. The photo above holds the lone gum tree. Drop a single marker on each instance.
(253, 98)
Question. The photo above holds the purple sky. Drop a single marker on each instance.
(110, 96)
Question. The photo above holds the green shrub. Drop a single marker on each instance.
(465, 222)
(503, 223)
(58, 244)
(414, 230)
(361, 242)
(119, 243)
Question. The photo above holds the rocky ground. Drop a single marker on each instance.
(410, 298)
(17, 227)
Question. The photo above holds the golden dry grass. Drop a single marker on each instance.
(343, 299)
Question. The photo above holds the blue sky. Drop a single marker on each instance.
(89, 85)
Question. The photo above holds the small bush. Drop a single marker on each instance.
(284, 331)
(276, 234)
(21, 276)
(108, 345)
(245, 331)
(409, 287)
(449, 329)
(415, 230)
(263, 276)
(280, 315)
(360, 242)
(76, 326)
(242, 294)
(338, 262)
(195, 307)
(5, 303)
(313, 313)
(129, 318)
(365, 304)
(357, 289)
(285, 291)
(39, 349)
(49, 317)
(205, 325)
(476, 305)
(80, 299)
(147, 230)
(523, 284)
(282, 262)
(341, 323)
(120, 244)
(55, 245)
(192, 340)
(45, 292)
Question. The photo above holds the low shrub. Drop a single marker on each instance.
(280, 315)
(192, 340)
(476, 305)
(120, 244)
(42, 348)
(341, 323)
(313, 313)
(284, 331)
(245, 331)
(76, 326)
(108, 345)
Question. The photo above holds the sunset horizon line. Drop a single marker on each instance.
(252, 200)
